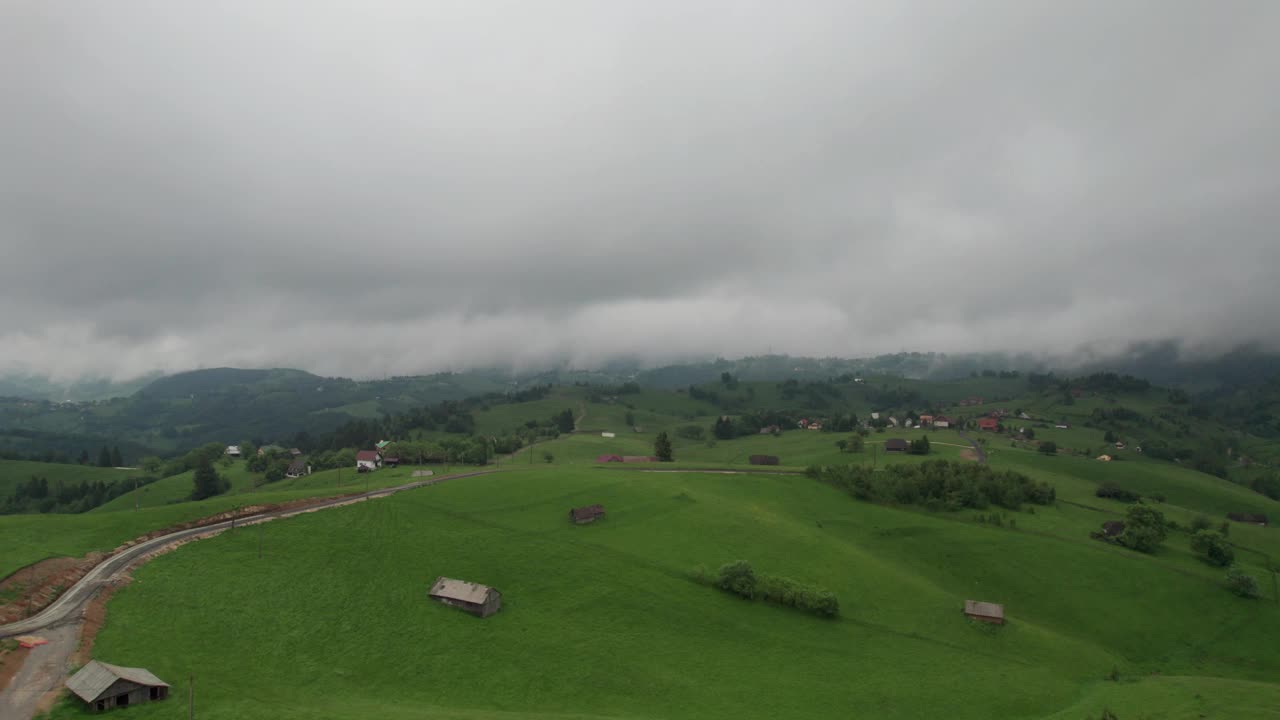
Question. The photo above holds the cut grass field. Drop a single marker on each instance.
(606, 620)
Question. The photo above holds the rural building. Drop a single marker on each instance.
(608, 458)
(941, 421)
(770, 429)
(391, 460)
(233, 451)
(1251, 518)
(875, 416)
(815, 426)
(988, 423)
(297, 468)
(1112, 529)
(763, 459)
(295, 452)
(270, 450)
(102, 686)
(608, 435)
(382, 444)
(368, 460)
(893, 421)
(1104, 458)
(588, 514)
(896, 445)
(638, 458)
(1062, 426)
(984, 611)
(479, 600)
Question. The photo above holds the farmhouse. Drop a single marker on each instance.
(763, 459)
(368, 460)
(608, 458)
(941, 422)
(608, 435)
(988, 423)
(102, 686)
(1104, 458)
(896, 445)
(815, 425)
(588, 514)
(926, 419)
(232, 451)
(984, 611)
(479, 600)
(1251, 518)
(297, 469)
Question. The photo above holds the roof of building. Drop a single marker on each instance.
(459, 590)
(382, 444)
(983, 609)
(93, 679)
(608, 458)
(896, 444)
(297, 467)
(587, 513)
(367, 455)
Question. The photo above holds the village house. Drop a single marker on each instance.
(988, 424)
(608, 435)
(479, 600)
(763, 459)
(896, 445)
(102, 686)
(588, 514)
(926, 419)
(941, 421)
(984, 611)
(815, 426)
(1104, 458)
(368, 460)
(295, 452)
(297, 468)
(232, 451)
(893, 421)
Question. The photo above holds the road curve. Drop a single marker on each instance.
(64, 609)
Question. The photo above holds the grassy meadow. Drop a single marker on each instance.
(608, 620)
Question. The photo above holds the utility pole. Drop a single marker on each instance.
(135, 493)
(259, 539)
(191, 697)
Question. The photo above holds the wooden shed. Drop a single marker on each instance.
(1251, 518)
(984, 611)
(103, 686)
(588, 514)
(608, 458)
(479, 600)
(896, 445)
(764, 459)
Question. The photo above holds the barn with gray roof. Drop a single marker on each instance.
(103, 686)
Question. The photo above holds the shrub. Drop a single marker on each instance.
(1111, 490)
(738, 578)
(937, 484)
(1200, 522)
(1144, 528)
(1213, 547)
(1241, 583)
(1049, 447)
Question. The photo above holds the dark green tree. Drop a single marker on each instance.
(1213, 547)
(662, 447)
(921, 446)
(1049, 447)
(738, 578)
(104, 457)
(116, 459)
(1241, 583)
(1144, 528)
(206, 482)
(564, 421)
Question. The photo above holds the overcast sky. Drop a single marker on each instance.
(370, 188)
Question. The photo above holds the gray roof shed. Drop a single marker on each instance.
(95, 678)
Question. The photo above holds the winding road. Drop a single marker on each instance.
(977, 448)
(47, 664)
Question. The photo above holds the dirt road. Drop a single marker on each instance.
(44, 668)
(977, 448)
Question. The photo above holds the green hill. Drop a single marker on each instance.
(333, 621)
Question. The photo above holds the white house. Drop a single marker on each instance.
(233, 451)
(941, 422)
(607, 434)
(893, 421)
(875, 416)
(368, 460)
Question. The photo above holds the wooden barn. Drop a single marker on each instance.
(479, 600)
(984, 611)
(608, 458)
(896, 445)
(588, 514)
(1251, 518)
(764, 459)
(103, 687)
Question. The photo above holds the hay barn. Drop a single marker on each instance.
(102, 686)
(984, 611)
(896, 445)
(479, 600)
(764, 459)
(1251, 518)
(588, 514)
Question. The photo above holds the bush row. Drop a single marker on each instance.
(938, 485)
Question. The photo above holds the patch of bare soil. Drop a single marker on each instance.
(969, 455)
(35, 586)
(11, 657)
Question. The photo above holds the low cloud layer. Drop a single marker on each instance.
(399, 187)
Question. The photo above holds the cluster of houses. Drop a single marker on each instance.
(298, 466)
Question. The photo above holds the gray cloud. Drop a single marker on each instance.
(397, 187)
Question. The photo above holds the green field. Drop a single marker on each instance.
(14, 472)
(607, 620)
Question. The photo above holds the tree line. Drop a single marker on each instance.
(937, 485)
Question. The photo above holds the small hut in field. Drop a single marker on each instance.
(103, 686)
(984, 611)
(1250, 518)
(764, 459)
(479, 600)
(608, 458)
(588, 514)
